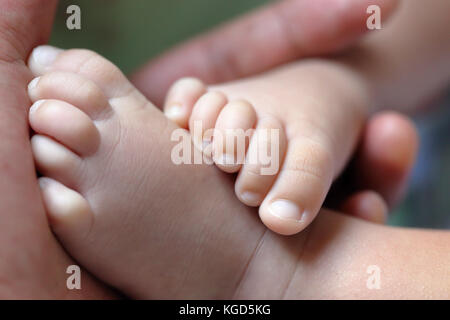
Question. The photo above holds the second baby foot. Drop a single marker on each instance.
(113, 196)
(316, 109)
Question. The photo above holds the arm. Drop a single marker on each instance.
(331, 259)
(413, 264)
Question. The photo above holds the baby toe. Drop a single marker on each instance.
(55, 161)
(262, 163)
(233, 131)
(69, 213)
(66, 124)
(71, 88)
(181, 99)
(300, 189)
(366, 205)
(203, 119)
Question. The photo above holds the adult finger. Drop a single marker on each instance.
(276, 34)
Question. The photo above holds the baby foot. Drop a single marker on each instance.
(114, 198)
(315, 109)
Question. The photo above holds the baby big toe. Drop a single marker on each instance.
(300, 188)
(85, 63)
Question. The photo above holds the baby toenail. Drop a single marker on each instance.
(174, 111)
(33, 83)
(286, 210)
(45, 55)
(36, 105)
(205, 144)
(227, 160)
(251, 198)
(43, 182)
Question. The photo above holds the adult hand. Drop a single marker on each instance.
(276, 34)
(283, 32)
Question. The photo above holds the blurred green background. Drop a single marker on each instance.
(130, 32)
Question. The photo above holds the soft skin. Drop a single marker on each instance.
(24, 273)
(86, 181)
(316, 132)
(336, 248)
